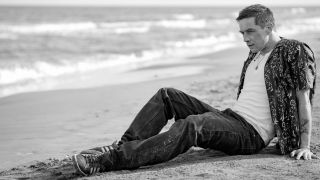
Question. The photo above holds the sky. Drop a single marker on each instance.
(162, 2)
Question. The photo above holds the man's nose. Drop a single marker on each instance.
(245, 37)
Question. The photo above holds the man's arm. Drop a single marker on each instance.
(305, 126)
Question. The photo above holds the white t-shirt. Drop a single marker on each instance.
(253, 103)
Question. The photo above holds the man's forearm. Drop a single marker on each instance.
(305, 131)
(305, 119)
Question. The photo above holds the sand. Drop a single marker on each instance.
(40, 131)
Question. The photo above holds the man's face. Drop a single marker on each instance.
(254, 36)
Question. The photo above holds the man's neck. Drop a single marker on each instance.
(274, 39)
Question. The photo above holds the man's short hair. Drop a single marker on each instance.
(263, 15)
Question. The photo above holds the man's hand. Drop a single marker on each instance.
(303, 152)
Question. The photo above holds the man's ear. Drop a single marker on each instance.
(268, 28)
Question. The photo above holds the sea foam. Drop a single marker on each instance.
(299, 25)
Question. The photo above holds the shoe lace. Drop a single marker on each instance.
(101, 161)
(92, 159)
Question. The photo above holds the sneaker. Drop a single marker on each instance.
(88, 164)
(101, 150)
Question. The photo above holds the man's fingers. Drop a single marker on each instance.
(307, 155)
(299, 155)
(313, 156)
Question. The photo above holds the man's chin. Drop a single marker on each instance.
(254, 50)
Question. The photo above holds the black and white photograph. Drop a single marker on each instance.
(159, 89)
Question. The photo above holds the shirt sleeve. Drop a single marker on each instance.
(304, 68)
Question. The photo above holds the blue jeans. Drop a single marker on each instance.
(196, 124)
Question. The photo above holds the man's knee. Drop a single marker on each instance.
(167, 90)
(163, 93)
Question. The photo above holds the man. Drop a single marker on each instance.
(274, 99)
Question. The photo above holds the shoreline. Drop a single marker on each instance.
(37, 123)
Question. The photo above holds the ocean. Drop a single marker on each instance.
(46, 48)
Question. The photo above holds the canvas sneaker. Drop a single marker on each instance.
(88, 164)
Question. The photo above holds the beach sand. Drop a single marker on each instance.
(40, 131)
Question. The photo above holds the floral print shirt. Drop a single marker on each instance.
(289, 68)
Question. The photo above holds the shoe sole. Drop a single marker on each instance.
(76, 165)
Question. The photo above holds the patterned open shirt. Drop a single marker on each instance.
(289, 68)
